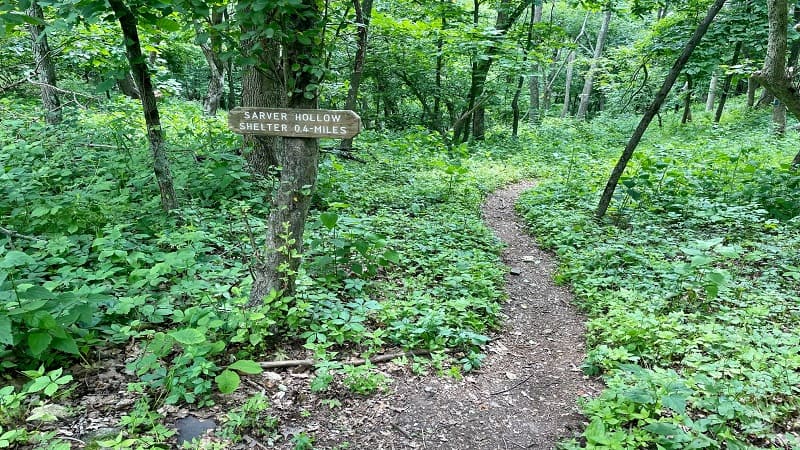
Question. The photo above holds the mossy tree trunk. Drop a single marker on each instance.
(44, 68)
(141, 75)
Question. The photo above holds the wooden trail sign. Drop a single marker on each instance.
(303, 123)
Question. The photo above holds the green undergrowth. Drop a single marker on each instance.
(691, 283)
(396, 257)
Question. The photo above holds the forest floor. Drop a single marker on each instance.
(523, 396)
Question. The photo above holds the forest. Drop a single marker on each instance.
(161, 265)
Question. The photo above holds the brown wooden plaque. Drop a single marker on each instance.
(307, 123)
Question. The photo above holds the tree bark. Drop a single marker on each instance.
(44, 67)
(687, 100)
(363, 15)
(568, 83)
(583, 108)
(507, 14)
(726, 85)
(773, 75)
(778, 118)
(627, 153)
(752, 85)
(299, 159)
(533, 88)
(216, 67)
(711, 98)
(263, 86)
(141, 76)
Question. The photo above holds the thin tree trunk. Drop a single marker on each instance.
(627, 153)
(726, 85)
(583, 108)
(752, 85)
(507, 14)
(687, 100)
(712, 92)
(533, 105)
(363, 15)
(779, 118)
(141, 75)
(216, 68)
(568, 83)
(437, 101)
(521, 79)
(44, 67)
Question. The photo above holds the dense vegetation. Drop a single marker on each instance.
(690, 280)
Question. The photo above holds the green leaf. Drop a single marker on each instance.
(6, 335)
(66, 345)
(247, 366)
(37, 293)
(227, 381)
(188, 336)
(676, 403)
(596, 432)
(392, 256)
(168, 24)
(39, 342)
(329, 219)
(15, 258)
(638, 396)
(664, 429)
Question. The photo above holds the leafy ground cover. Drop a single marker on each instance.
(691, 285)
(397, 257)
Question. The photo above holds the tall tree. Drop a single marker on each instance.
(773, 76)
(263, 83)
(301, 55)
(211, 50)
(647, 118)
(507, 14)
(534, 88)
(141, 75)
(44, 67)
(726, 85)
(363, 10)
(583, 108)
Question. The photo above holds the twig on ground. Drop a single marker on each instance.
(402, 431)
(14, 234)
(253, 442)
(516, 385)
(355, 362)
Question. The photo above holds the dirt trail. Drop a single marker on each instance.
(524, 395)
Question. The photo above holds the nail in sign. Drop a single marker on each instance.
(306, 123)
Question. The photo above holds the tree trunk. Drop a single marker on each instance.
(752, 85)
(568, 83)
(687, 100)
(127, 86)
(711, 98)
(778, 118)
(773, 75)
(141, 76)
(363, 15)
(533, 90)
(44, 67)
(216, 68)
(437, 101)
(627, 153)
(507, 14)
(726, 85)
(263, 86)
(583, 108)
(290, 203)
